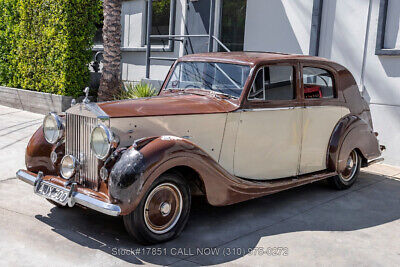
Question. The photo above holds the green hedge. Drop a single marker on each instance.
(9, 19)
(49, 48)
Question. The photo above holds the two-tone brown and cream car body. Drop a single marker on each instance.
(230, 126)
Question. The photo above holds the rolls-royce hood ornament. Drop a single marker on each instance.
(86, 99)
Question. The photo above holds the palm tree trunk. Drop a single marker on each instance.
(110, 83)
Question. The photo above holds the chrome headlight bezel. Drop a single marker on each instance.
(74, 169)
(109, 138)
(60, 128)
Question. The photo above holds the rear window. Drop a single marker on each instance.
(318, 83)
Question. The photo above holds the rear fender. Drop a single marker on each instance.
(351, 133)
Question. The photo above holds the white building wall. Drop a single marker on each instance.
(348, 36)
(343, 30)
(382, 84)
(133, 42)
(278, 26)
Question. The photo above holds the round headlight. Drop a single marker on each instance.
(100, 141)
(53, 128)
(69, 166)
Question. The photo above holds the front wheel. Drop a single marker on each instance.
(346, 177)
(163, 213)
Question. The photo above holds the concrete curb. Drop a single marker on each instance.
(37, 102)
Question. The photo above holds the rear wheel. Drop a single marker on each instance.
(346, 177)
(163, 213)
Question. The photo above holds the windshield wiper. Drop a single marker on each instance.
(224, 94)
(171, 90)
(212, 93)
(206, 92)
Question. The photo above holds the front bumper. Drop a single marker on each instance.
(73, 196)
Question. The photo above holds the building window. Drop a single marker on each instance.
(388, 37)
(233, 18)
(163, 11)
(98, 37)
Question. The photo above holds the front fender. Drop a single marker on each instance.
(37, 156)
(129, 177)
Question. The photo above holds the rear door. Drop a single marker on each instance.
(322, 111)
(269, 132)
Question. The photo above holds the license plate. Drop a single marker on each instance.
(53, 192)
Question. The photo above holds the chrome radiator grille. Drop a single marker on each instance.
(77, 136)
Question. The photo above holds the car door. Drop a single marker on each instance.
(322, 111)
(269, 132)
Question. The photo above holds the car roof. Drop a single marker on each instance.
(249, 57)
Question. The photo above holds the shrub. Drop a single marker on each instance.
(52, 45)
(9, 24)
(136, 91)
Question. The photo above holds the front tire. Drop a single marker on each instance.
(347, 177)
(163, 213)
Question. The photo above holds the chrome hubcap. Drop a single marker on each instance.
(351, 167)
(163, 208)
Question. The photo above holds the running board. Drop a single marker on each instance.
(374, 161)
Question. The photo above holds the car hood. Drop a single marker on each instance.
(170, 104)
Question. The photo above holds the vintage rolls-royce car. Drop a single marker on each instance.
(229, 126)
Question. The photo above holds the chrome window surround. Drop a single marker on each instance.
(264, 92)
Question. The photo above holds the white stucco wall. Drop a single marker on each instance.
(133, 42)
(278, 26)
(343, 29)
(348, 36)
(382, 85)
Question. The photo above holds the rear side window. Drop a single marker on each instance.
(318, 83)
(273, 83)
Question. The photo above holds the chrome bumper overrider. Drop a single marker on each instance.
(73, 196)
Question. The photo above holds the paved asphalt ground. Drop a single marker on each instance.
(314, 224)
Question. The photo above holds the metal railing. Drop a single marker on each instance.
(174, 38)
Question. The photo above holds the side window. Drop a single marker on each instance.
(273, 83)
(318, 83)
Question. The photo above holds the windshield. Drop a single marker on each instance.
(223, 78)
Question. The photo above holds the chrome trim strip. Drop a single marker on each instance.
(82, 199)
(264, 109)
(375, 161)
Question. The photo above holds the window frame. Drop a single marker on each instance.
(178, 62)
(334, 83)
(380, 49)
(262, 102)
(171, 31)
